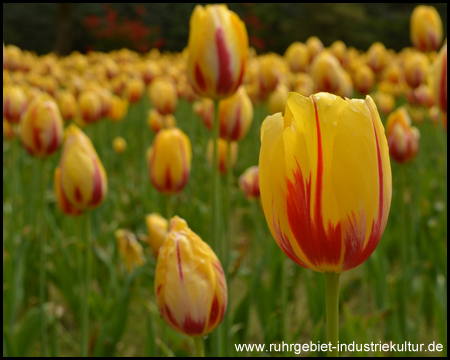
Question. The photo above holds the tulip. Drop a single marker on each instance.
(377, 57)
(424, 96)
(235, 116)
(14, 103)
(218, 47)
(304, 85)
(438, 81)
(156, 121)
(170, 161)
(163, 96)
(403, 139)
(325, 189)
(222, 151)
(119, 145)
(63, 203)
(190, 285)
(426, 28)
(42, 127)
(269, 74)
(364, 79)
(8, 130)
(416, 67)
(297, 56)
(130, 248)
(90, 106)
(277, 99)
(157, 228)
(345, 89)
(67, 104)
(150, 71)
(315, 47)
(118, 109)
(385, 102)
(339, 50)
(249, 183)
(205, 109)
(134, 89)
(106, 100)
(326, 72)
(83, 179)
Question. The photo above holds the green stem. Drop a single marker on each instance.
(85, 298)
(332, 293)
(42, 263)
(199, 346)
(169, 206)
(284, 300)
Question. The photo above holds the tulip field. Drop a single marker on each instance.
(222, 202)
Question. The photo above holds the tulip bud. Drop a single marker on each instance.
(297, 56)
(156, 121)
(14, 103)
(67, 104)
(403, 139)
(385, 102)
(118, 109)
(157, 227)
(416, 67)
(426, 28)
(63, 203)
(339, 50)
(364, 79)
(83, 180)
(326, 72)
(150, 71)
(119, 145)
(249, 183)
(41, 131)
(277, 99)
(134, 89)
(377, 57)
(222, 153)
(90, 106)
(163, 96)
(315, 47)
(325, 180)
(130, 248)
(218, 47)
(190, 285)
(205, 109)
(345, 89)
(269, 74)
(304, 84)
(438, 79)
(170, 161)
(235, 116)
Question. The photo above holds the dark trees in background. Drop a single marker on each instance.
(63, 36)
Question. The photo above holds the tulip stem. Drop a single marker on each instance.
(332, 313)
(42, 275)
(199, 346)
(169, 206)
(85, 298)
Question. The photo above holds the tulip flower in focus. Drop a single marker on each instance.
(170, 161)
(403, 139)
(297, 56)
(205, 109)
(82, 177)
(157, 228)
(119, 145)
(130, 248)
(438, 81)
(190, 285)
(67, 104)
(315, 47)
(134, 89)
(277, 99)
(325, 71)
(426, 28)
(218, 47)
(249, 183)
(235, 115)
(90, 106)
(14, 103)
(118, 109)
(156, 121)
(41, 130)
(364, 79)
(222, 151)
(416, 67)
(163, 96)
(325, 179)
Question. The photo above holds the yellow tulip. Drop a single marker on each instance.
(156, 121)
(325, 180)
(190, 285)
(315, 47)
(377, 57)
(134, 89)
(249, 183)
(130, 248)
(277, 99)
(222, 153)
(426, 28)
(150, 71)
(416, 68)
(68, 105)
(63, 203)
(364, 79)
(163, 96)
(83, 180)
(205, 109)
(14, 103)
(118, 109)
(218, 47)
(157, 228)
(269, 74)
(403, 139)
(339, 50)
(235, 115)
(90, 106)
(326, 71)
(304, 84)
(170, 161)
(119, 145)
(385, 102)
(438, 80)
(297, 56)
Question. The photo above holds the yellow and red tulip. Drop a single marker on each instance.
(269, 74)
(156, 121)
(134, 89)
(8, 130)
(325, 179)
(118, 109)
(190, 285)
(364, 79)
(426, 28)
(130, 248)
(339, 50)
(249, 183)
(377, 57)
(63, 203)
(297, 56)
(235, 115)
(438, 81)
(205, 109)
(416, 67)
(14, 103)
(157, 228)
(403, 139)
(218, 47)
(222, 153)
(315, 47)
(82, 180)
(68, 105)
(170, 161)
(326, 71)
(90, 106)
(163, 95)
(385, 102)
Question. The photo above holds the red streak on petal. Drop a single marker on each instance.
(192, 327)
(55, 139)
(180, 270)
(97, 191)
(170, 318)
(214, 312)
(236, 132)
(225, 80)
(168, 182)
(199, 78)
(78, 195)
(158, 290)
